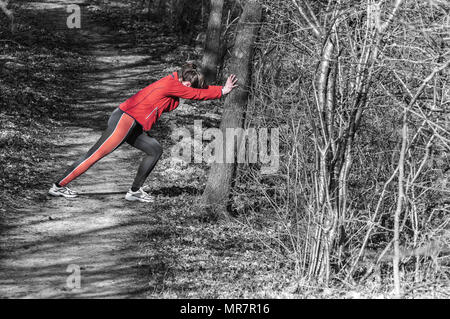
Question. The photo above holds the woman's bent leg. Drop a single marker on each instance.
(120, 125)
(153, 150)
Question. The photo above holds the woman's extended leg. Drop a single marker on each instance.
(153, 149)
(120, 125)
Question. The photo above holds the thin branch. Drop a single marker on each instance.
(428, 79)
(311, 12)
(385, 25)
(302, 12)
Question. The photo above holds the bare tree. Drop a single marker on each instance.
(220, 177)
(335, 126)
(401, 174)
(212, 43)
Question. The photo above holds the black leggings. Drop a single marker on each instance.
(121, 128)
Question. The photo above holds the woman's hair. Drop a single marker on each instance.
(189, 72)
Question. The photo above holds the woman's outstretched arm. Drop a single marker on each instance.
(177, 89)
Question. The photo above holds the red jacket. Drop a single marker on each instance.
(164, 95)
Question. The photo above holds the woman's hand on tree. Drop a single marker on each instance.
(230, 85)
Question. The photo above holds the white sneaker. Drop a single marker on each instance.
(62, 191)
(140, 196)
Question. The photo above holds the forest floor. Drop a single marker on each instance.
(123, 249)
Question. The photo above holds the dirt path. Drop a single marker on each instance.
(94, 232)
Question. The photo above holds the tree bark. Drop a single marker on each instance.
(400, 200)
(217, 190)
(212, 43)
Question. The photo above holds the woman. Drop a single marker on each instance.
(134, 118)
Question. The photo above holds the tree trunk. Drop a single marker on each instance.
(217, 190)
(212, 43)
(400, 202)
